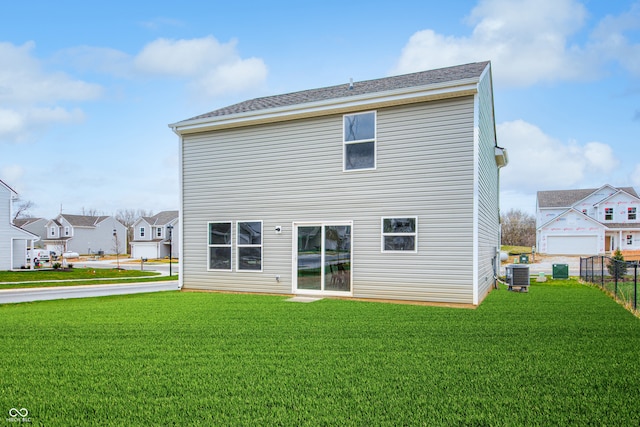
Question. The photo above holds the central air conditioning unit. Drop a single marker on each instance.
(518, 277)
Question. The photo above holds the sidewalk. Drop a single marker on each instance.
(82, 291)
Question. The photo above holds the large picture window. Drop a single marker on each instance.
(360, 141)
(220, 245)
(249, 243)
(399, 234)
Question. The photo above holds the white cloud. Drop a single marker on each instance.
(11, 173)
(29, 94)
(211, 66)
(528, 41)
(540, 162)
(21, 123)
(610, 41)
(22, 79)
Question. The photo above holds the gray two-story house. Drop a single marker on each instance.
(86, 234)
(156, 236)
(379, 189)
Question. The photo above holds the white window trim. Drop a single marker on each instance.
(159, 232)
(383, 235)
(634, 213)
(141, 232)
(360, 141)
(238, 246)
(230, 245)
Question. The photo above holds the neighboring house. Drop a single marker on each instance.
(14, 241)
(156, 236)
(85, 234)
(589, 221)
(35, 226)
(382, 189)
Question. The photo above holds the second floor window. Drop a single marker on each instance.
(159, 232)
(359, 141)
(631, 213)
(66, 231)
(608, 214)
(141, 231)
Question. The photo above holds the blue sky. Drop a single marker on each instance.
(87, 89)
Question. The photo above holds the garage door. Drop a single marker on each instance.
(572, 245)
(144, 251)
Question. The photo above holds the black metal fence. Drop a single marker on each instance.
(620, 278)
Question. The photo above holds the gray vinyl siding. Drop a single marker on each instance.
(292, 172)
(488, 191)
(6, 232)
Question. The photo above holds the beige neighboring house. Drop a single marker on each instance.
(14, 241)
(592, 221)
(156, 236)
(380, 189)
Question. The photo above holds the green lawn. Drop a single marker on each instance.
(562, 354)
(78, 276)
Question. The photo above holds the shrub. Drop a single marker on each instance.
(56, 265)
(617, 266)
(70, 266)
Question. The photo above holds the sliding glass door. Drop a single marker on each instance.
(323, 256)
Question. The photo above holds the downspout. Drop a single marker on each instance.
(180, 210)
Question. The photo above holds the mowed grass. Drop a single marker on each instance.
(74, 277)
(562, 354)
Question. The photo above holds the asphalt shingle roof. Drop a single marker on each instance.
(423, 78)
(83, 220)
(566, 198)
(162, 218)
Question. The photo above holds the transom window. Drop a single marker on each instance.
(249, 244)
(608, 214)
(631, 213)
(399, 234)
(360, 141)
(220, 246)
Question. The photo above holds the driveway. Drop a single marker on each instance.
(82, 291)
(544, 264)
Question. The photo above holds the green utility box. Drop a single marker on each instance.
(560, 271)
(524, 259)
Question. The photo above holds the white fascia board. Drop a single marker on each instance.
(331, 106)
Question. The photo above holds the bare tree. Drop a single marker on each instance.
(518, 228)
(22, 208)
(127, 217)
(90, 212)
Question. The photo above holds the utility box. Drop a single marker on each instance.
(524, 259)
(560, 271)
(518, 277)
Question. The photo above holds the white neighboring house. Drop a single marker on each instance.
(13, 240)
(85, 234)
(154, 236)
(588, 221)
